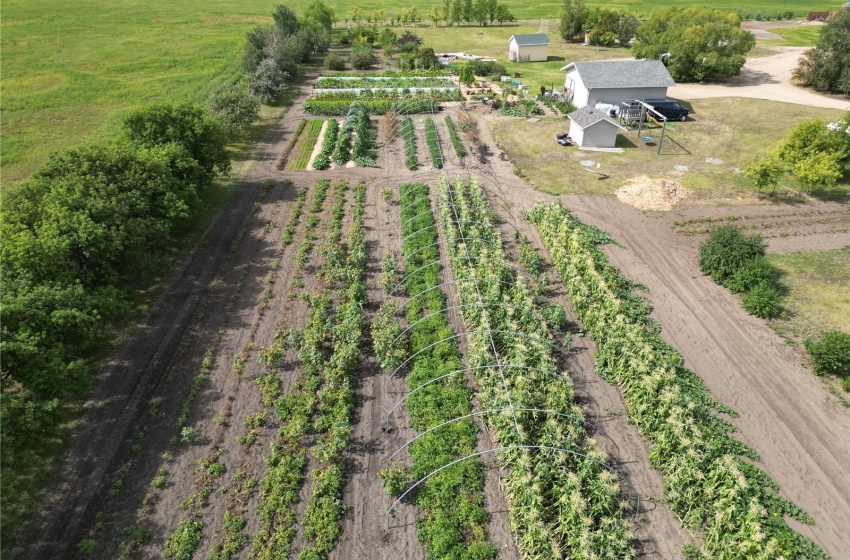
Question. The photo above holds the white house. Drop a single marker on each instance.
(528, 48)
(592, 128)
(614, 81)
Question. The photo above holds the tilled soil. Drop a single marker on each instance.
(223, 304)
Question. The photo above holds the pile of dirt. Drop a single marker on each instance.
(652, 194)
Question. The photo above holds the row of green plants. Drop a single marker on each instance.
(284, 156)
(364, 146)
(460, 150)
(281, 487)
(337, 107)
(433, 140)
(563, 500)
(294, 217)
(408, 133)
(343, 271)
(323, 158)
(522, 108)
(342, 150)
(377, 95)
(381, 82)
(710, 481)
(305, 146)
(557, 104)
(454, 520)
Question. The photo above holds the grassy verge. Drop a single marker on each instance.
(722, 135)
(802, 36)
(816, 295)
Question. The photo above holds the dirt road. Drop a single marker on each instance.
(764, 77)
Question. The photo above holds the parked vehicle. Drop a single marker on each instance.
(673, 110)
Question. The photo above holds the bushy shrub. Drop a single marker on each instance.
(830, 354)
(334, 62)
(751, 274)
(362, 59)
(487, 68)
(762, 301)
(726, 250)
(268, 81)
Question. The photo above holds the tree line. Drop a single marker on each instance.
(449, 12)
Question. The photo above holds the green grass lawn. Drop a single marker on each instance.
(728, 130)
(817, 298)
(71, 67)
(803, 36)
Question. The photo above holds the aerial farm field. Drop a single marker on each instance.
(419, 328)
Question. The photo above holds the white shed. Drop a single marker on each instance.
(592, 128)
(614, 81)
(528, 48)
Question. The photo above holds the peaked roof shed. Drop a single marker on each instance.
(590, 127)
(533, 47)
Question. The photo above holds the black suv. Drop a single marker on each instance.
(673, 110)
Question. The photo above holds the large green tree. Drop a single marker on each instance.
(699, 42)
(572, 19)
(827, 66)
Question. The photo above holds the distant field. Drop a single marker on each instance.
(70, 67)
(796, 36)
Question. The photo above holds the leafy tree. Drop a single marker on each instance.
(234, 107)
(456, 12)
(320, 13)
(826, 67)
(409, 42)
(286, 51)
(626, 28)
(387, 38)
(268, 81)
(765, 171)
(480, 12)
(254, 51)
(762, 301)
(467, 11)
(361, 56)
(702, 42)
(503, 13)
(572, 19)
(187, 125)
(436, 15)
(285, 20)
(467, 74)
(334, 62)
(726, 250)
(818, 169)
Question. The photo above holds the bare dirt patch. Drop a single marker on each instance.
(652, 194)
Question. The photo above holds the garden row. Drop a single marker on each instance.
(563, 500)
(411, 104)
(382, 82)
(454, 521)
(356, 140)
(710, 484)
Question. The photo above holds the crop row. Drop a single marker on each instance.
(406, 104)
(323, 158)
(284, 156)
(460, 150)
(333, 82)
(440, 94)
(433, 140)
(363, 149)
(564, 502)
(408, 132)
(294, 217)
(524, 108)
(455, 519)
(709, 483)
(305, 145)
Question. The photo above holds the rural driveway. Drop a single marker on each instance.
(764, 77)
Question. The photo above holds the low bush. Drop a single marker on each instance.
(726, 250)
(334, 62)
(751, 274)
(762, 301)
(830, 354)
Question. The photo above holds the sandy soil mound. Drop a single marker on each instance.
(652, 194)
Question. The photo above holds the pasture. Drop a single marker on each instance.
(70, 68)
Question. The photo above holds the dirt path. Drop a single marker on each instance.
(764, 77)
(799, 429)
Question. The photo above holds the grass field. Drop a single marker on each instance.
(70, 68)
(804, 36)
(709, 135)
(816, 297)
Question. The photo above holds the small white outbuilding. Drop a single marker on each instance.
(528, 48)
(592, 128)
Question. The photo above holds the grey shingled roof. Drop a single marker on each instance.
(532, 39)
(622, 74)
(587, 116)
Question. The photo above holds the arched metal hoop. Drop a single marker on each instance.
(508, 448)
(480, 331)
(554, 374)
(477, 413)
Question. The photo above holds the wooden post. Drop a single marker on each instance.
(661, 141)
